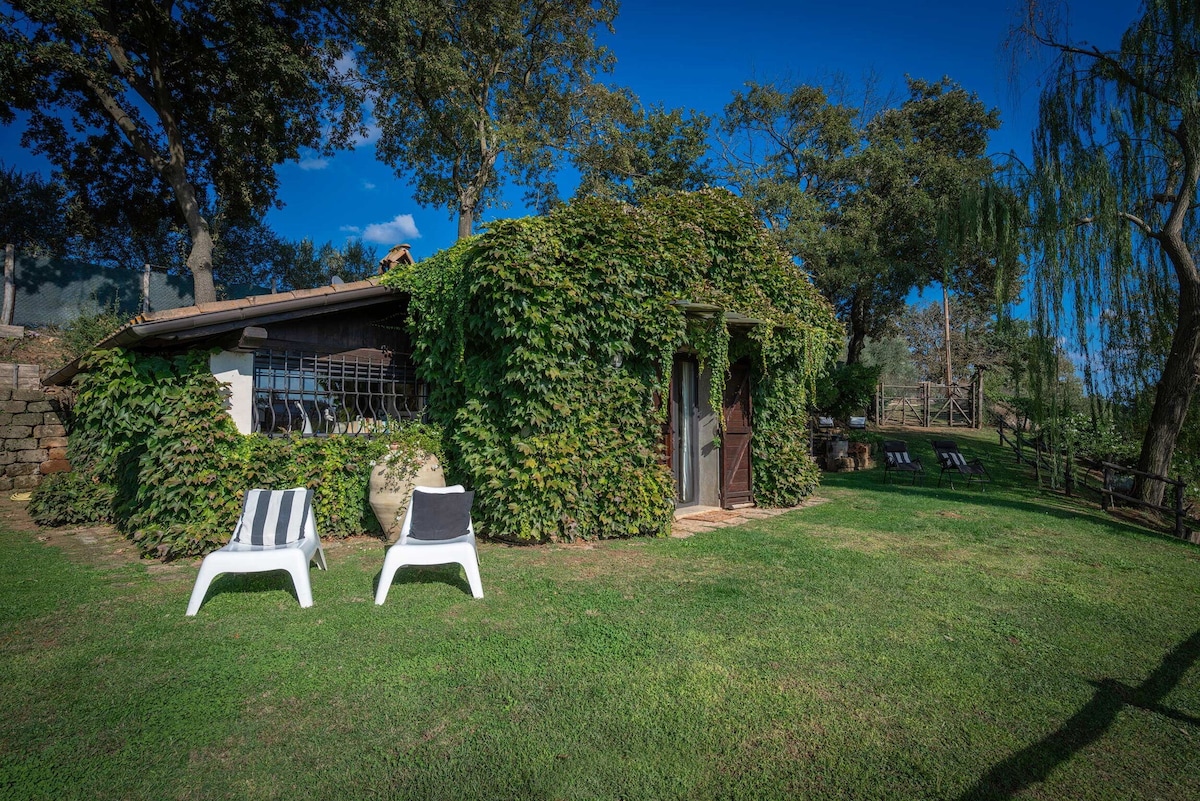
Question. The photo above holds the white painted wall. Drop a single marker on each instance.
(236, 370)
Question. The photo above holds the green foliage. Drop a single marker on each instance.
(846, 390)
(823, 172)
(468, 88)
(156, 454)
(203, 99)
(1113, 194)
(545, 340)
(81, 334)
(64, 499)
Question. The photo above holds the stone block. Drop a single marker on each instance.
(56, 453)
(16, 432)
(53, 442)
(55, 466)
(28, 395)
(39, 407)
(7, 457)
(6, 418)
(26, 444)
(53, 418)
(35, 455)
(43, 431)
(21, 469)
(5, 393)
(6, 483)
(28, 419)
(26, 482)
(13, 407)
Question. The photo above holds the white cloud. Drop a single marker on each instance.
(401, 229)
(350, 229)
(313, 164)
(372, 135)
(346, 65)
(367, 185)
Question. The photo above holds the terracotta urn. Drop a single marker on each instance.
(390, 491)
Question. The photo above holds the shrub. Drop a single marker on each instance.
(65, 499)
(156, 454)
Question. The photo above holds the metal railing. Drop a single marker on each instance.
(312, 394)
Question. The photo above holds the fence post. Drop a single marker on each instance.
(10, 286)
(925, 404)
(1105, 497)
(1068, 475)
(146, 289)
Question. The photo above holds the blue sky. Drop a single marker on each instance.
(695, 54)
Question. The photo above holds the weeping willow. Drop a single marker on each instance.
(1113, 199)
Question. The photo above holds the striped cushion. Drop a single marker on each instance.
(273, 518)
(955, 458)
(898, 457)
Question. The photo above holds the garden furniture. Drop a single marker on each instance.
(952, 461)
(276, 531)
(896, 458)
(437, 530)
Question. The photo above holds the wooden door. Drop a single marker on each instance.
(736, 479)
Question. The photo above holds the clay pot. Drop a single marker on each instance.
(389, 497)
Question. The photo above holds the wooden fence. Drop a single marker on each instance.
(1030, 448)
(928, 405)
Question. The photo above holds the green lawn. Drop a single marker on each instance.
(894, 642)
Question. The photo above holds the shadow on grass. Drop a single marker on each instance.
(426, 574)
(239, 583)
(1033, 764)
(1001, 495)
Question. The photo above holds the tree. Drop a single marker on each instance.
(824, 175)
(1114, 194)
(35, 215)
(210, 96)
(304, 265)
(627, 152)
(471, 90)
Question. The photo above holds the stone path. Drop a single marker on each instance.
(687, 525)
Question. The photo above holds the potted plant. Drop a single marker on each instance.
(405, 465)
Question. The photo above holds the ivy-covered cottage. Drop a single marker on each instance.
(587, 371)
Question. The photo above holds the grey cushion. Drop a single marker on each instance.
(440, 516)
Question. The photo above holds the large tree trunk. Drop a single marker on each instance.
(859, 313)
(946, 332)
(1173, 395)
(199, 259)
(466, 221)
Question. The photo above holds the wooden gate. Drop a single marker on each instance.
(930, 405)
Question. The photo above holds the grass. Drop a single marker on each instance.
(894, 642)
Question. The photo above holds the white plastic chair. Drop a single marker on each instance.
(276, 531)
(412, 551)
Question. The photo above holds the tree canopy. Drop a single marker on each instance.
(824, 175)
(470, 91)
(209, 97)
(1114, 196)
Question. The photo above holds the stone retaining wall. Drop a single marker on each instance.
(33, 441)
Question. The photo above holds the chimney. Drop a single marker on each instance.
(399, 254)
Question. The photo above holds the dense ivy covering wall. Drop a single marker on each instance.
(546, 339)
(155, 453)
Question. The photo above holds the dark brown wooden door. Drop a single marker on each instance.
(736, 484)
